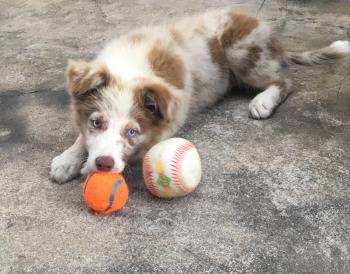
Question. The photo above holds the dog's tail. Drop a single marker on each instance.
(327, 55)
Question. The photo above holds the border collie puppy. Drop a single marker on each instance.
(141, 87)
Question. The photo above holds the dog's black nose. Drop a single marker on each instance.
(104, 163)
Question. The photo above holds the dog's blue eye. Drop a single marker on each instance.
(132, 132)
(96, 123)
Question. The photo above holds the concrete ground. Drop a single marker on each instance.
(274, 196)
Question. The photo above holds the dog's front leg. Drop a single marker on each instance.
(67, 166)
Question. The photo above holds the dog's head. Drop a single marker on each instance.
(117, 119)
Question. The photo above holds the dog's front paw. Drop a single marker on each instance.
(65, 167)
(262, 105)
(84, 171)
(260, 108)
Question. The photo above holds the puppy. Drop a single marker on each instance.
(143, 86)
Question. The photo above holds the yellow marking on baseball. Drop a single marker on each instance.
(172, 168)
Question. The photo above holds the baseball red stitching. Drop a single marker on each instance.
(176, 166)
(147, 175)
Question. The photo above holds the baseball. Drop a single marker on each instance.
(172, 168)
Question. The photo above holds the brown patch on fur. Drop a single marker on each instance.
(131, 140)
(83, 106)
(168, 66)
(252, 58)
(151, 123)
(136, 37)
(275, 46)
(159, 96)
(217, 54)
(83, 76)
(84, 82)
(254, 54)
(239, 27)
(76, 68)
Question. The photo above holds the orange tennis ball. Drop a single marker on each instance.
(105, 192)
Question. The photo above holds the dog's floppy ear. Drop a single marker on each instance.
(83, 76)
(159, 102)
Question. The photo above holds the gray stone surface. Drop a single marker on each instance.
(274, 196)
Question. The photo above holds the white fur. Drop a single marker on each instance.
(106, 143)
(264, 103)
(342, 46)
(67, 165)
(128, 62)
(110, 141)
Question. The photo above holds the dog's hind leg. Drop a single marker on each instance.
(67, 166)
(256, 58)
